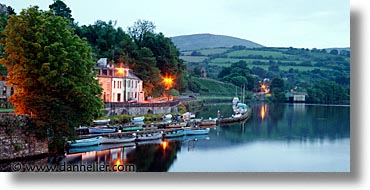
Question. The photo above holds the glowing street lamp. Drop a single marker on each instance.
(168, 82)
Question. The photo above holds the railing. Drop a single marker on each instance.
(140, 104)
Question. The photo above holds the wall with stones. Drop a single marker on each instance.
(16, 141)
(117, 108)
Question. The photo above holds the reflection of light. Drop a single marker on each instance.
(263, 112)
(164, 145)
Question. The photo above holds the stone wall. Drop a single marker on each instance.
(117, 108)
(16, 141)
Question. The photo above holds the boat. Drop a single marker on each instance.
(236, 118)
(101, 130)
(131, 128)
(101, 122)
(73, 150)
(84, 142)
(207, 122)
(148, 136)
(242, 112)
(192, 131)
(167, 117)
(177, 125)
(115, 140)
(138, 119)
(172, 134)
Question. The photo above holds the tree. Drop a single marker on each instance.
(140, 29)
(277, 90)
(334, 52)
(51, 70)
(61, 9)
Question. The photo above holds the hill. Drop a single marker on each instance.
(206, 41)
(210, 87)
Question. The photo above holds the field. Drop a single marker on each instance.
(210, 87)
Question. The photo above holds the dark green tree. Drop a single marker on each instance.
(51, 70)
(61, 9)
(140, 29)
(277, 88)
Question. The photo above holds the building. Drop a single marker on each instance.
(296, 96)
(119, 83)
(5, 92)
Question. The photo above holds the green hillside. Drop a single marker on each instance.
(210, 87)
(207, 41)
(324, 75)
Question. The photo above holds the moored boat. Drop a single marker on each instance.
(167, 117)
(106, 140)
(192, 131)
(131, 128)
(101, 122)
(172, 134)
(177, 125)
(138, 119)
(84, 142)
(101, 130)
(236, 117)
(148, 136)
(207, 122)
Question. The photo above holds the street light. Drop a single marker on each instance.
(168, 82)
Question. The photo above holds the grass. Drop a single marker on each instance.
(212, 87)
(193, 59)
(284, 68)
(257, 52)
(213, 51)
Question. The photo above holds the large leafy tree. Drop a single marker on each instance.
(51, 70)
(5, 11)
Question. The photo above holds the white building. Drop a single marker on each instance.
(119, 84)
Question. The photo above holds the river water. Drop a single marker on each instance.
(277, 138)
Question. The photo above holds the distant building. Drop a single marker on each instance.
(296, 96)
(119, 84)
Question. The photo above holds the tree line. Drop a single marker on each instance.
(49, 58)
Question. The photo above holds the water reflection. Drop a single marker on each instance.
(299, 137)
(263, 111)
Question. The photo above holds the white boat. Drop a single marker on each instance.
(115, 140)
(172, 134)
(191, 131)
(148, 136)
(101, 122)
(167, 117)
(84, 142)
(138, 119)
(101, 130)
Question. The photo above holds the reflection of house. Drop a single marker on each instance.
(296, 96)
(119, 84)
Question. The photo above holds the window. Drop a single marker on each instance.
(118, 97)
(114, 84)
(4, 91)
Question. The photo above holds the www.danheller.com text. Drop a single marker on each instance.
(80, 167)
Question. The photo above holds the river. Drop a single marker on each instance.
(277, 138)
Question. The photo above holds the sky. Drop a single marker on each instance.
(272, 23)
